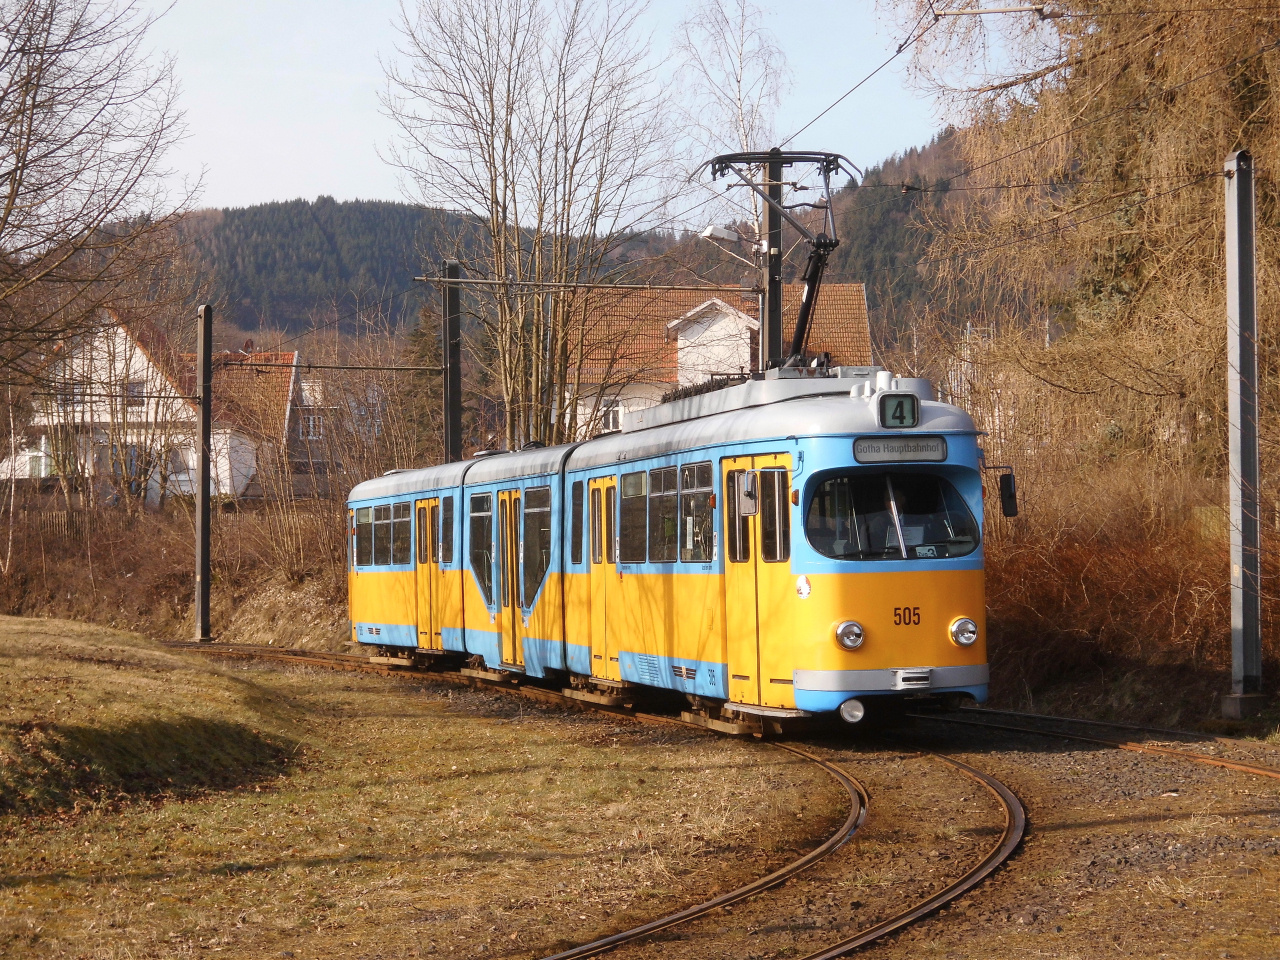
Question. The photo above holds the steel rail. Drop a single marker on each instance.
(857, 814)
(1114, 724)
(1130, 745)
(859, 801)
(1015, 827)
(1015, 820)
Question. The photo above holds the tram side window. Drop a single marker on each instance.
(775, 516)
(736, 526)
(611, 511)
(631, 540)
(482, 542)
(364, 536)
(663, 507)
(402, 533)
(424, 540)
(575, 524)
(382, 534)
(597, 550)
(537, 540)
(446, 530)
(696, 525)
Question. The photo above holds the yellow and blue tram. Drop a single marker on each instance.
(792, 545)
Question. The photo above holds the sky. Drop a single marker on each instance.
(281, 96)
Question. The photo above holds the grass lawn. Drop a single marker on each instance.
(155, 804)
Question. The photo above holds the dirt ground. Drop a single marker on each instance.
(1126, 855)
(153, 804)
(353, 816)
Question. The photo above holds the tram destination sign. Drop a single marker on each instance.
(900, 449)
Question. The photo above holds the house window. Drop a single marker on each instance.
(135, 393)
(311, 426)
(72, 393)
(611, 417)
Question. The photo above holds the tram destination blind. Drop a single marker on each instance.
(900, 449)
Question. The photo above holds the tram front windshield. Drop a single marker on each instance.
(894, 516)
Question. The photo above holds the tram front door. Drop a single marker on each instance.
(758, 580)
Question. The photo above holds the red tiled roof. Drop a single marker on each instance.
(840, 325)
(625, 332)
(251, 391)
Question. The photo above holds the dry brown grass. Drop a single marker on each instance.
(404, 820)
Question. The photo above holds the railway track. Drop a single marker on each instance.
(1012, 832)
(1047, 726)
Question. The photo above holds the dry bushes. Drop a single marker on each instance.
(1118, 563)
(1110, 565)
(276, 574)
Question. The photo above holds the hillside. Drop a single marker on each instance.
(280, 264)
(884, 230)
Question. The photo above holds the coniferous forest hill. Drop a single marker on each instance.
(289, 264)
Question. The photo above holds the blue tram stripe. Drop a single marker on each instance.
(387, 634)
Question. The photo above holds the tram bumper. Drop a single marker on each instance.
(821, 691)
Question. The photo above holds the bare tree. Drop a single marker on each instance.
(733, 75)
(86, 116)
(544, 120)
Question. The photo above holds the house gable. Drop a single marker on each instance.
(714, 339)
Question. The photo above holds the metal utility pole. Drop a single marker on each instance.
(451, 351)
(771, 325)
(742, 166)
(1246, 697)
(204, 397)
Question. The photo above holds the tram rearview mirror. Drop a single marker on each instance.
(748, 494)
(1008, 495)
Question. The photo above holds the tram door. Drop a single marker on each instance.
(508, 621)
(429, 575)
(603, 493)
(758, 582)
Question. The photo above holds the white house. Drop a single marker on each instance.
(119, 416)
(642, 344)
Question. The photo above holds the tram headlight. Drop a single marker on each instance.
(964, 632)
(849, 634)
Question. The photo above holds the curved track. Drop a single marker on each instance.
(1011, 808)
(1015, 826)
(857, 813)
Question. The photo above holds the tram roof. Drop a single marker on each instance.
(805, 416)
